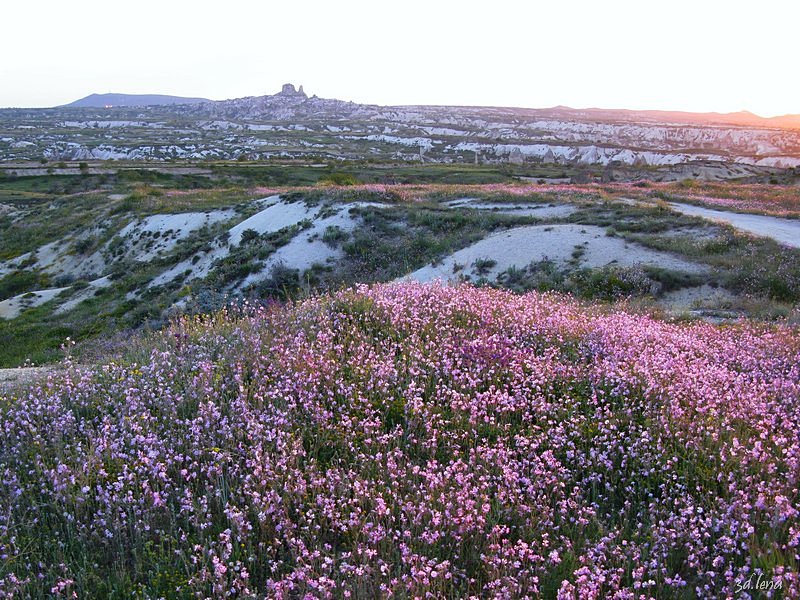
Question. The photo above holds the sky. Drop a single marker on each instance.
(698, 55)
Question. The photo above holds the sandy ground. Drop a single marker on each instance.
(274, 217)
(13, 264)
(55, 258)
(699, 297)
(696, 233)
(307, 247)
(11, 379)
(785, 231)
(520, 246)
(145, 239)
(541, 211)
(303, 251)
(83, 294)
(517, 247)
(169, 228)
(711, 304)
(11, 307)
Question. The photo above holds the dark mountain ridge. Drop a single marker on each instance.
(113, 100)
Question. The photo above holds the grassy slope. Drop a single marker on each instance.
(390, 243)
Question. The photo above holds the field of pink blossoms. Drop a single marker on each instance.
(760, 199)
(412, 441)
(763, 199)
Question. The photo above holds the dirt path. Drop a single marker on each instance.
(784, 231)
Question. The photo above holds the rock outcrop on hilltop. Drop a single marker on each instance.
(288, 90)
(291, 104)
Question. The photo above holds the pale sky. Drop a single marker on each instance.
(697, 55)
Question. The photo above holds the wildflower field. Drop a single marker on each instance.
(411, 441)
(771, 200)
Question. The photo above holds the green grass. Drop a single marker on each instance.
(47, 220)
(404, 235)
(744, 264)
(259, 173)
(33, 337)
(741, 263)
(21, 281)
(608, 284)
(394, 241)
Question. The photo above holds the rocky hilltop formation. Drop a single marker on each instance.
(288, 104)
(288, 90)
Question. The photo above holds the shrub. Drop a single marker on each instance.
(610, 283)
(334, 235)
(482, 266)
(85, 245)
(249, 235)
(336, 178)
(18, 282)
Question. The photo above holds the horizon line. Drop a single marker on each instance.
(685, 111)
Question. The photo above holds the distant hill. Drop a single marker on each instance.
(294, 103)
(106, 100)
(294, 124)
(741, 119)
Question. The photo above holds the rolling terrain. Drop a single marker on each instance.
(293, 125)
(88, 255)
(285, 346)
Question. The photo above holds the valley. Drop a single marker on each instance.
(93, 255)
(291, 125)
